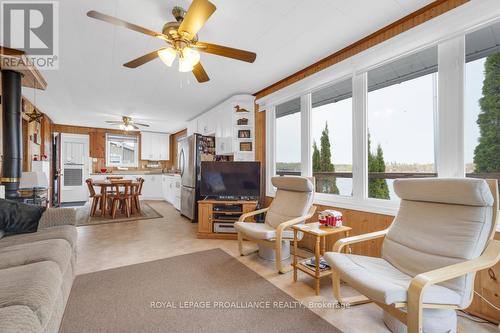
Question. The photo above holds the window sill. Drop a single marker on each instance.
(376, 206)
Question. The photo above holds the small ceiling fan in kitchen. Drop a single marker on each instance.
(127, 124)
(182, 41)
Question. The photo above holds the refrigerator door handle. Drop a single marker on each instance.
(182, 162)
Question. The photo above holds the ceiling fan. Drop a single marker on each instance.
(182, 39)
(127, 124)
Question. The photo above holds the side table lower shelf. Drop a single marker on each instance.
(319, 233)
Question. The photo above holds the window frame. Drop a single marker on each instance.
(449, 124)
(122, 165)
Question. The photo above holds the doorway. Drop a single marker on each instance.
(74, 167)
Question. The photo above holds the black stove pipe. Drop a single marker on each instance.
(11, 132)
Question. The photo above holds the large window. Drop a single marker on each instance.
(331, 130)
(482, 102)
(402, 102)
(288, 144)
(122, 150)
(405, 117)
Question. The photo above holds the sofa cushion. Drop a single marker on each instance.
(35, 286)
(18, 218)
(19, 318)
(261, 231)
(65, 232)
(56, 250)
(379, 280)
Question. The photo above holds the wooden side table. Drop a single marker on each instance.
(320, 233)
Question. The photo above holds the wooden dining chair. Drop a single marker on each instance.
(96, 197)
(121, 198)
(136, 195)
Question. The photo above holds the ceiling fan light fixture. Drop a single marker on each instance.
(192, 56)
(167, 55)
(185, 65)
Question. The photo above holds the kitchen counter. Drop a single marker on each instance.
(134, 172)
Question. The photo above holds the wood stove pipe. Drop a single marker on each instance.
(11, 132)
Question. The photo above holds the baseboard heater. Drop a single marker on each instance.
(224, 228)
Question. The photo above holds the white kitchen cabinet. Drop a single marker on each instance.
(171, 185)
(152, 187)
(207, 123)
(155, 146)
(146, 143)
(224, 145)
(192, 127)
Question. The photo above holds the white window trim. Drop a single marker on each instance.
(449, 141)
(128, 165)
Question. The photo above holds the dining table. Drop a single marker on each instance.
(108, 186)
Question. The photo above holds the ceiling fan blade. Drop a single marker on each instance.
(200, 74)
(7, 51)
(142, 60)
(114, 122)
(198, 13)
(225, 51)
(140, 124)
(135, 127)
(125, 24)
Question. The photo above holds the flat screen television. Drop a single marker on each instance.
(230, 180)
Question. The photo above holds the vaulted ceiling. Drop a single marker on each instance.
(91, 85)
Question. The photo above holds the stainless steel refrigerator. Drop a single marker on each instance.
(193, 149)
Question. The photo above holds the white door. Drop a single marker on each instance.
(75, 167)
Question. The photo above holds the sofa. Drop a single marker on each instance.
(36, 273)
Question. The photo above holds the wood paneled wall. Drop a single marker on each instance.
(360, 222)
(412, 20)
(97, 144)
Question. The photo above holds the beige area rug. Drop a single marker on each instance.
(83, 215)
(208, 291)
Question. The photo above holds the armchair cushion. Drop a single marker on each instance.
(458, 191)
(440, 222)
(379, 280)
(293, 183)
(294, 198)
(262, 231)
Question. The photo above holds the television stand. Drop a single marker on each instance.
(215, 217)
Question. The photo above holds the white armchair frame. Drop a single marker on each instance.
(276, 242)
(414, 315)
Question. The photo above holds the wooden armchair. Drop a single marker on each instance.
(442, 235)
(292, 205)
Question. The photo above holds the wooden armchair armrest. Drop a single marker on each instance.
(490, 257)
(419, 283)
(297, 220)
(243, 217)
(339, 245)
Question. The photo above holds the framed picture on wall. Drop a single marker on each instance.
(244, 134)
(246, 146)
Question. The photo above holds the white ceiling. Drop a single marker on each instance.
(91, 85)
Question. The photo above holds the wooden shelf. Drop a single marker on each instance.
(301, 265)
(206, 214)
(227, 212)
